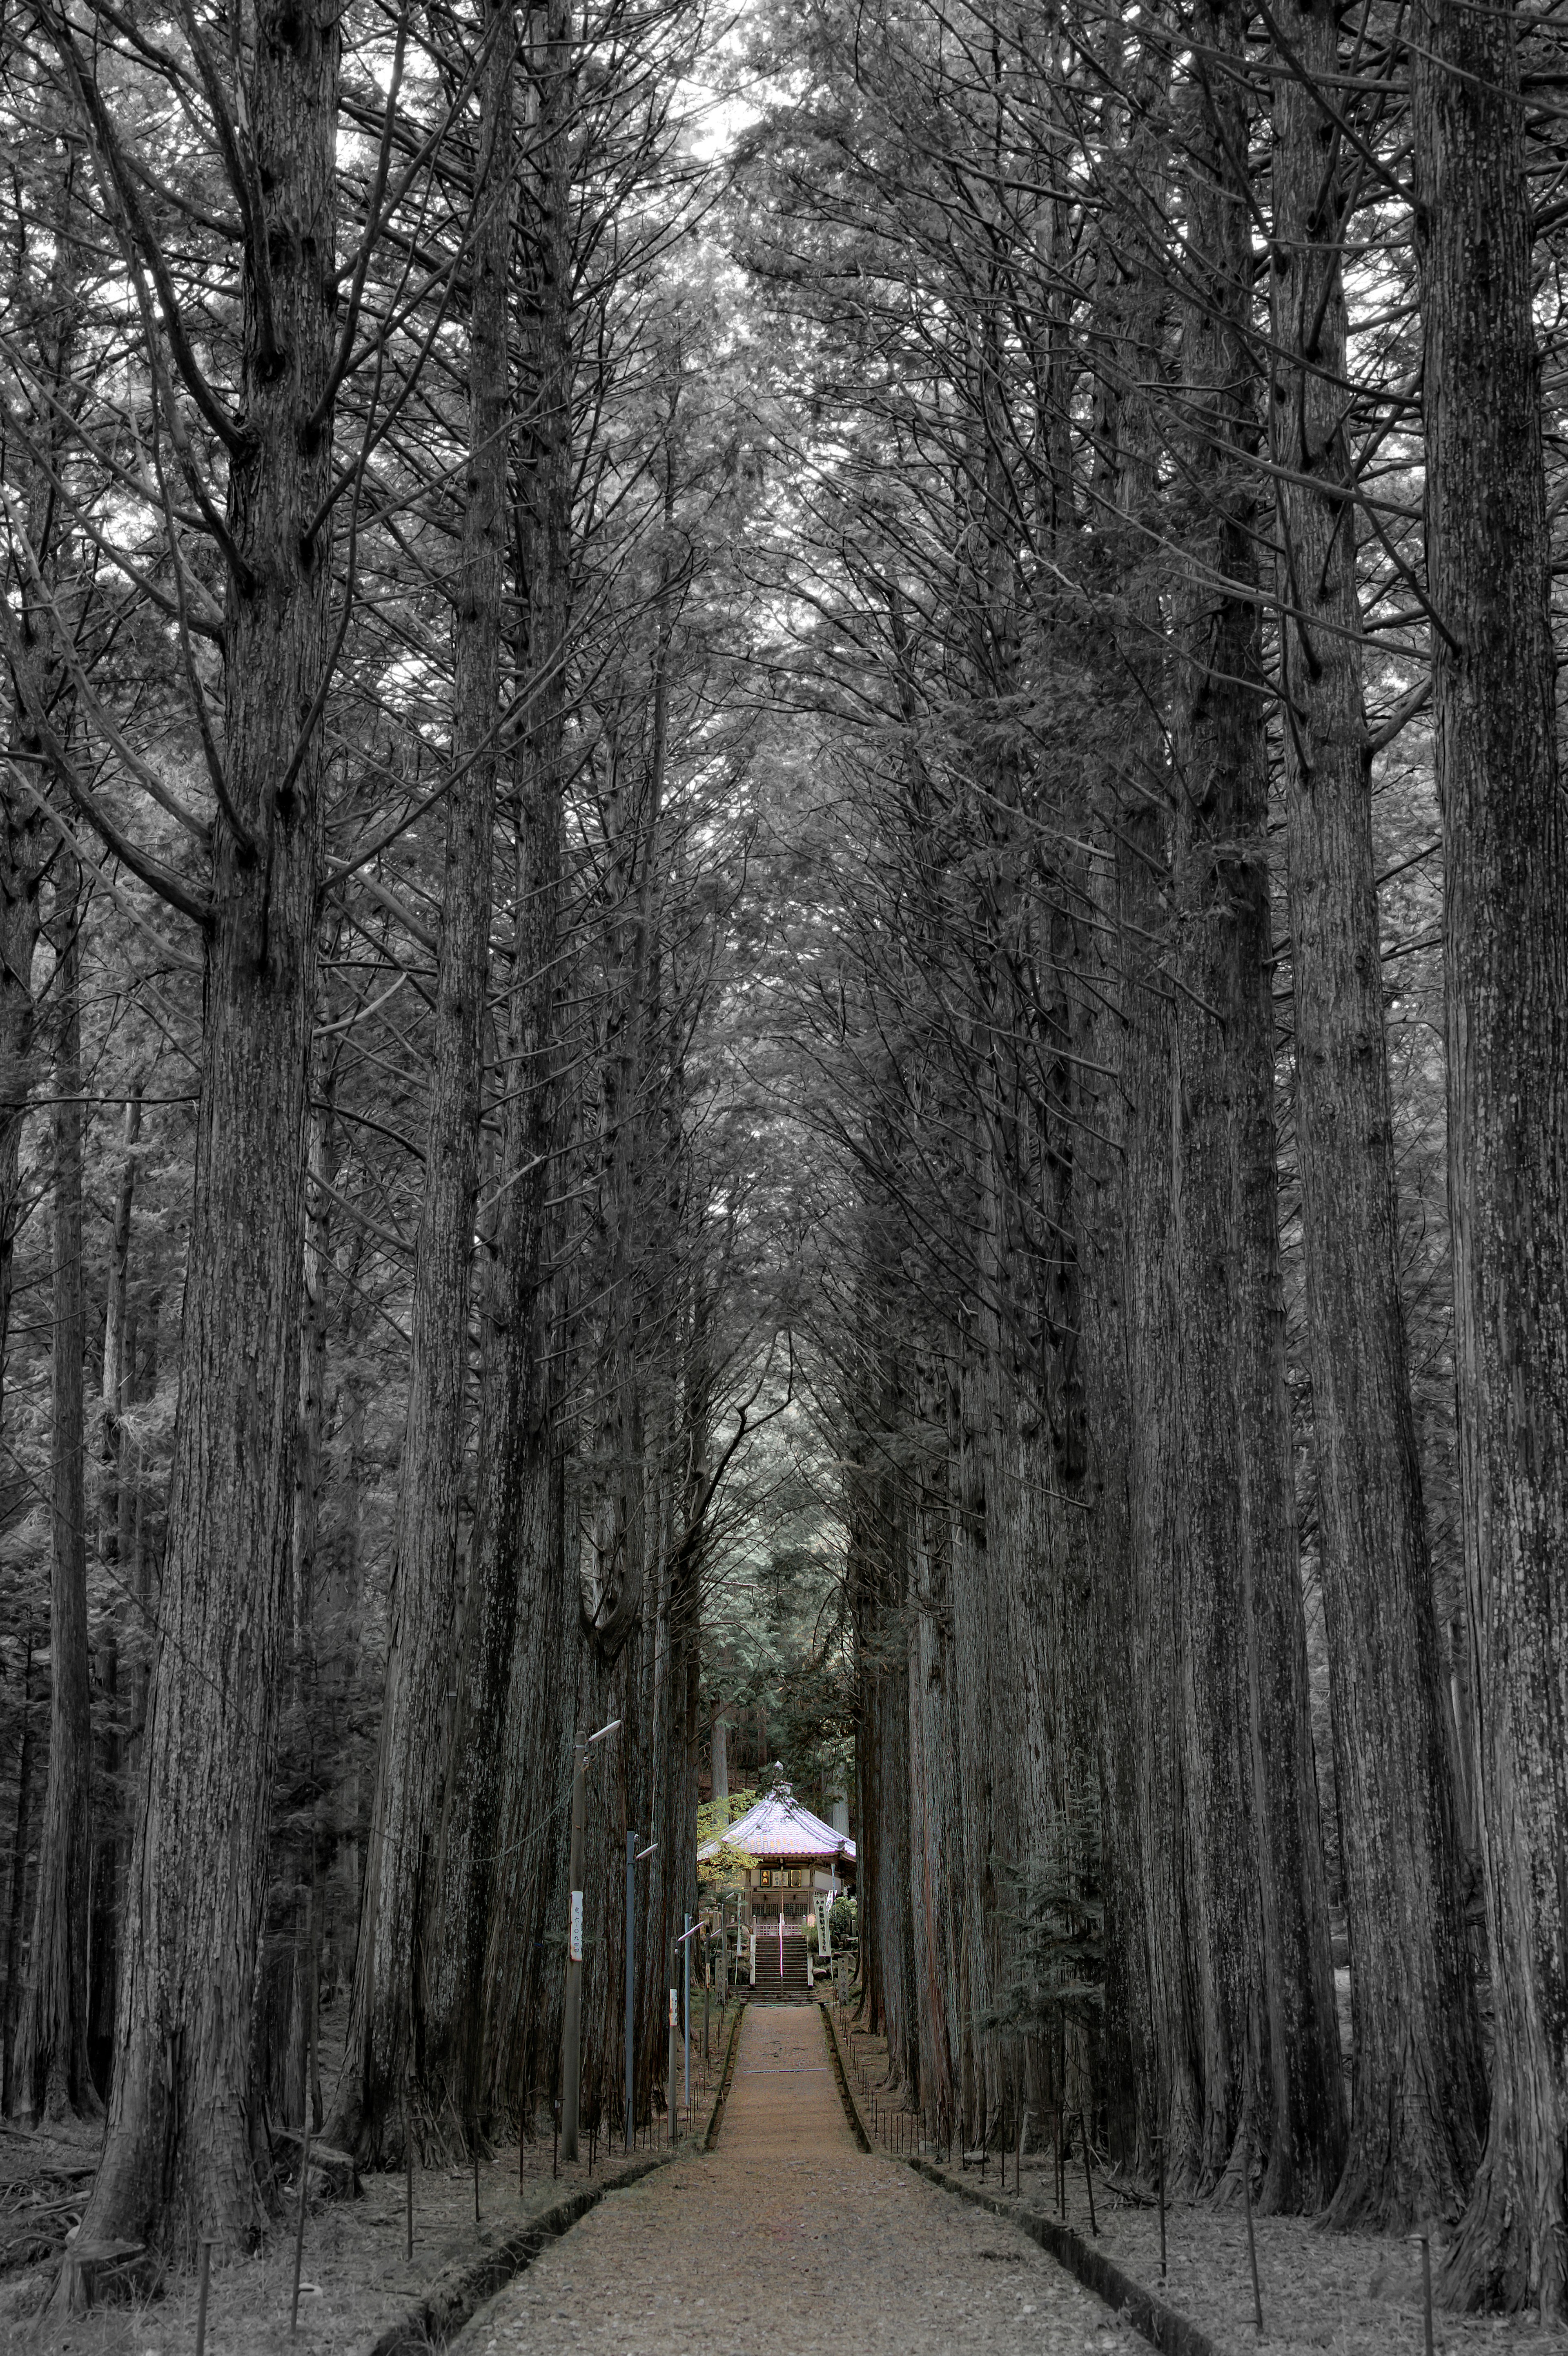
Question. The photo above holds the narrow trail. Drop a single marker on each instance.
(789, 2236)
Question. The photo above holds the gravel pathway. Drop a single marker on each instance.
(790, 2238)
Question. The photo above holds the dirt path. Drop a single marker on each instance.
(790, 2237)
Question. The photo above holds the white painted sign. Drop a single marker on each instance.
(674, 2010)
(574, 1936)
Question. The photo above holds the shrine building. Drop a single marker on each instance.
(797, 1865)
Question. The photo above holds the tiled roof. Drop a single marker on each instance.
(780, 1826)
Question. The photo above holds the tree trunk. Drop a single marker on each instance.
(1417, 2085)
(384, 2030)
(1130, 1372)
(1506, 995)
(289, 1984)
(1271, 2072)
(720, 1791)
(177, 2160)
(113, 1524)
(522, 1687)
(23, 840)
(54, 2081)
(46, 317)
(11, 1993)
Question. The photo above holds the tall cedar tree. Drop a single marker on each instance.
(52, 2065)
(1505, 838)
(401, 1866)
(1416, 2086)
(178, 2156)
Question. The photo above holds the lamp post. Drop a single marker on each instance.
(634, 1857)
(571, 2011)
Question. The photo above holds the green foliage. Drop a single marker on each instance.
(723, 1873)
(1055, 1968)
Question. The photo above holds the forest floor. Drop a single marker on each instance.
(1349, 2293)
(789, 2236)
(356, 2282)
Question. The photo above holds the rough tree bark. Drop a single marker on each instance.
(25, 837)
(1130, 1369)
(518, 1688)
(11, 1993)
(114, 1529)
(1504, 836)
(46, 317)
(1270, 2046)
(720, 1793)
(1417, 2085)
(288, 1993)
(53, 2077)
(177, 2157)
(385, 2036)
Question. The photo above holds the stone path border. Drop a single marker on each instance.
(1161, 2325)
(461, 2289)
(851, 2107)
(716, 2119)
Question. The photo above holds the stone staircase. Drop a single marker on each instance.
(772, 1987)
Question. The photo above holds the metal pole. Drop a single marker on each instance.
(571, 2018)
(686, 2000)
(631, 1951)
(674, 2028)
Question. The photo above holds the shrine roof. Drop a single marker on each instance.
(778, 1826)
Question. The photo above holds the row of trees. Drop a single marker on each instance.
(377, 809)
(1132, 681)
(1171, 552)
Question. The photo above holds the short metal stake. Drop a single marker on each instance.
(408, 2179)
(1088, 2174)
(204, 2262)
(1159, 2142)
(299, 2226)
(1427, 2287)
(1252, 2244)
